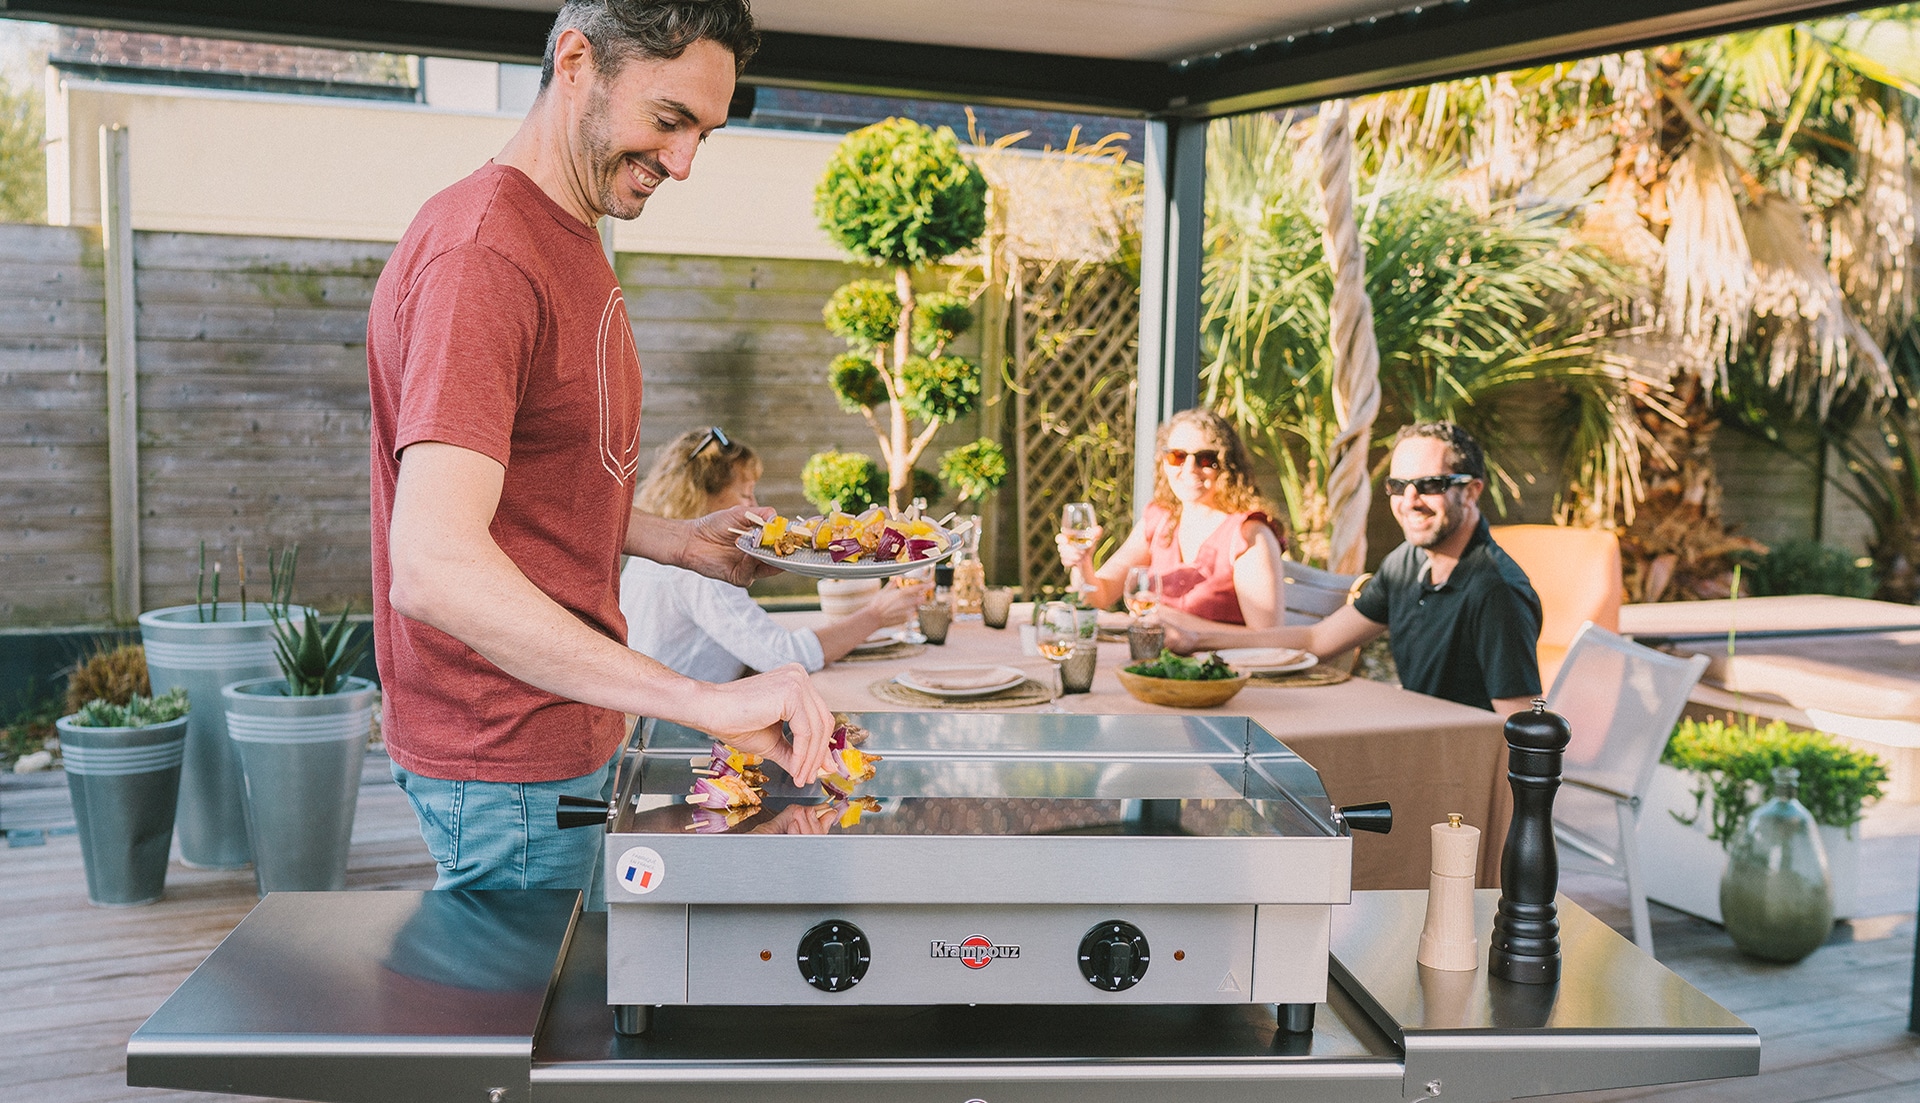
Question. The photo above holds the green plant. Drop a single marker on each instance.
(1808, 567)
(842, 480)
(898, 194)
(974, 469)
(138, 712)
(313, 658)
(1182, 668)
(29, 724)
(115, 674)
(1733, 761)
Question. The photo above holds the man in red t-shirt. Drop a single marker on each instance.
(506, 417)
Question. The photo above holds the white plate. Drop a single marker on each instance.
(1013, 678)
(1268, 660)
(818, 564)
(886, 637)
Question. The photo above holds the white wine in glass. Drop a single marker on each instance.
(1142, 591)
(1077, 524)
(1059, 627)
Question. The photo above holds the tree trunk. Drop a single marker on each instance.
(1677, 548)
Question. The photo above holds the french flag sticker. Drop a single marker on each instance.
(640, 870)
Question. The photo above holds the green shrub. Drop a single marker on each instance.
(1734, 760)
(1807, 567)
(943, 389)
(974, 469)
(937, 319)
(900, 193)
(856, 382)
(848, 478)
(865, 312)
(138, 712)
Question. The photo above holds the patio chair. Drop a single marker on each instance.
(1576, 572)
(1311, 593)
(1621, 701)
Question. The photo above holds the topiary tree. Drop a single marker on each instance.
(900, 194)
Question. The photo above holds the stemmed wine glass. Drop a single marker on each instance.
(1058, 631)
(1078, 523)
(1142, 592)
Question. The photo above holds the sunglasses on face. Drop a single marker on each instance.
(714, 436)
(1206, 459)
(1427, 484)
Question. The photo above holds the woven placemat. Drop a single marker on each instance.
(1312, 676)
(1026, 693)
(895, 650)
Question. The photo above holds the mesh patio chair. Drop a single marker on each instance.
(1621, 700)
(1310, 594)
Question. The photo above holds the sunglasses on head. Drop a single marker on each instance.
(1427, 484)
(1206, 459)
(714, 436)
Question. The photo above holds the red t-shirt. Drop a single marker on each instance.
(498, 326)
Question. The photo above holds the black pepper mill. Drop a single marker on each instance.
(1526, 927)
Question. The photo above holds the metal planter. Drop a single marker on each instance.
(124, 783)
(300, 760)
(203, 656)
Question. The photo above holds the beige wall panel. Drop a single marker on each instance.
(244, 163)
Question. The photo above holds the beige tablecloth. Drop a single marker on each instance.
(1368, 741)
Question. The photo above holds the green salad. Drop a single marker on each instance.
(1182, 668)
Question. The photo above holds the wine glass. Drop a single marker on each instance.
(1056, 634)
(1078, 524)
(1142, 592)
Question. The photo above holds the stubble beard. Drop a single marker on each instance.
(606, 165)
(1450, 520)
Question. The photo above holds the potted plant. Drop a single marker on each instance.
(123, 772)
(301, 739)
(900, 195)
(1714, 773)
(199, 648)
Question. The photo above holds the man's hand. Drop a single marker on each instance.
(749, 714)
(711, 547)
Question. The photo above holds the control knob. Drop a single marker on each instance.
(834, 955)
(1114, 955)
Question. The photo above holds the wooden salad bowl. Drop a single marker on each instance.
(1180, 694)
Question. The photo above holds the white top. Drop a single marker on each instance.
(705, 628)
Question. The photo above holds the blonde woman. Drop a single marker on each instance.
(709, 629)
(1208, 533)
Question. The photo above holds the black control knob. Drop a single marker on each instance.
(1113, 955)
(834, 955)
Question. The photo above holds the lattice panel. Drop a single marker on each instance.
(1076, 336)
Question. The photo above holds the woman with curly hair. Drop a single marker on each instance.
(1209, 534)
(709, 629)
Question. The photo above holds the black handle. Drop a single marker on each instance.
(580, 812)
(1375, 816)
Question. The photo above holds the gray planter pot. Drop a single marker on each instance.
(300, 760)
(124, 783)
(182, 651)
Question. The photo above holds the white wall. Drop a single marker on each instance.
(247, 163)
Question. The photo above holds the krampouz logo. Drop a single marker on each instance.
(974, 952)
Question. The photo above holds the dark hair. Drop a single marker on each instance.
(620, 30)
(689, 468)
(1235, 492)
(1463, 452)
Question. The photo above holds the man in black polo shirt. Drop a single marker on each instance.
(1464, 618)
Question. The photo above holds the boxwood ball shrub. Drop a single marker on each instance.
(899, 193)
(1733, 760)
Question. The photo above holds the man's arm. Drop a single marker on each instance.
(1345, 628)
(704, 545)
(450, 574)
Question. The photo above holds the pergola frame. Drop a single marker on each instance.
(1415, 44)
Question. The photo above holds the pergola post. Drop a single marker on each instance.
(1171, 221)
(123, 403)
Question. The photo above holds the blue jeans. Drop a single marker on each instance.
(502, 835)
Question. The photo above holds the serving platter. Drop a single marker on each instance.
(810, 563)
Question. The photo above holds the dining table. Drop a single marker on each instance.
(1370, 741)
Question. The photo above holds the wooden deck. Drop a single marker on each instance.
(79, 979)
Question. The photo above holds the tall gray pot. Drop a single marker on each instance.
(124, 783)
(184, 651)
(300, 760)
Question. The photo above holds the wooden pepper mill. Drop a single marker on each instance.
(1526, 926)
(1447, 942)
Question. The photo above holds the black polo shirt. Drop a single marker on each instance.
(1470, 640)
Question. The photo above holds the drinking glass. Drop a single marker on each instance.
(1077, 522)
(1142, 592)
(923, 577)
(1056, 635)
(995, 604)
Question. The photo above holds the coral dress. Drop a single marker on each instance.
(1203, 587)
